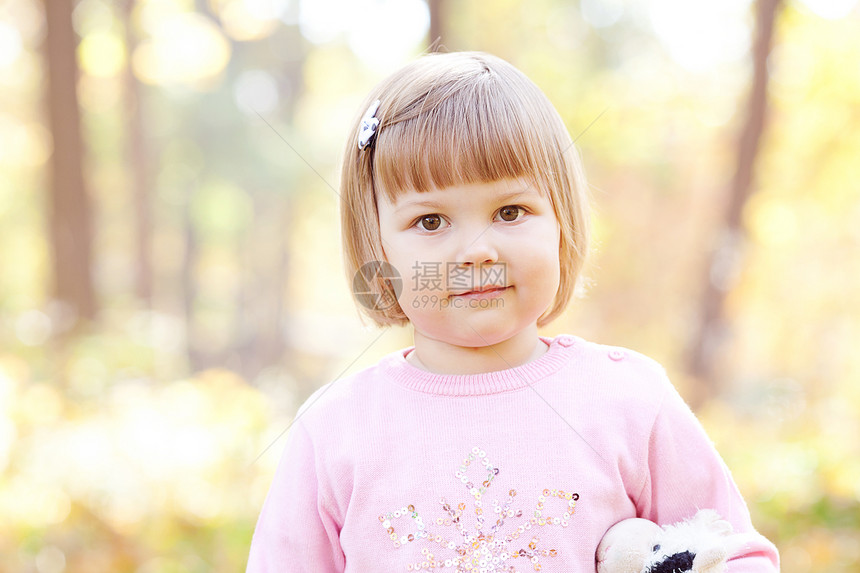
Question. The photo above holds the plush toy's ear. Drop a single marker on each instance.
(711, 560)
(712, 520)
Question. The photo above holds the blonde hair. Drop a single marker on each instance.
(455, 119)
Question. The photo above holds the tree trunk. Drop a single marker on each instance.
(724, 261)
(262, 306)
(438, 31)
(69, 205)
(138, 169)
(188, 282)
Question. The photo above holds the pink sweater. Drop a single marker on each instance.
(398, 469)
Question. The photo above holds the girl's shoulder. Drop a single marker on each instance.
(616, 370)
(344, 393)
(615, 357)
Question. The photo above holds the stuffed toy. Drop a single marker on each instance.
(701, 544)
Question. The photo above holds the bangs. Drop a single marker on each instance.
(463, 133)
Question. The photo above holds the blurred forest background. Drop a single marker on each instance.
(171, 286)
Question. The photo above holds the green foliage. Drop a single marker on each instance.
(129, 474)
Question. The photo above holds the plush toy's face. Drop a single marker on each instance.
(661, 562)
(700, 544)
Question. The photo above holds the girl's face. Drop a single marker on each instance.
(479, 262)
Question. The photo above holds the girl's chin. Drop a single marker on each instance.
(465, 335)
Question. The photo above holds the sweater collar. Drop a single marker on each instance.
(394, 367)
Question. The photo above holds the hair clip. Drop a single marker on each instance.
(368, 127)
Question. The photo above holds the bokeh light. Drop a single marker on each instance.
(250, 20)
(10, 45)
(102, 54)
(184, 49)
(702, 35)
(380, 32)
(256, 91)
(830, 9)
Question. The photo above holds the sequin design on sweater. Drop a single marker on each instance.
(481, 544)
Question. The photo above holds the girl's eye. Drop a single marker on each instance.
(511, 212)
(430, 222)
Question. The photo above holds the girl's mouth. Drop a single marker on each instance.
(486, 292)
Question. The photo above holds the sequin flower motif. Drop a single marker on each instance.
(480, 542)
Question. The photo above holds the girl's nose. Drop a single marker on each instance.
(477, 248)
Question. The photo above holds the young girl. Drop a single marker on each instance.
(485, 447)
